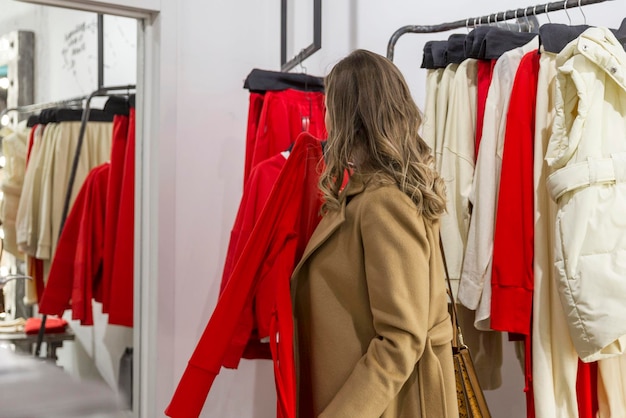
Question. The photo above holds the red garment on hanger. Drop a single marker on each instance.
(254, 114)
(116, 175)
(77, 262)
(484, 74)
(255, 193)
(284, 116)
(512, 279)
(121, 291)
(275, 246)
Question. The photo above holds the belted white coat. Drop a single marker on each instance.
(587, 153)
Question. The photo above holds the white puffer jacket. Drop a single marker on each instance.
(587, 153)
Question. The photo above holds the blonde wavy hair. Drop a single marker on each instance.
(372, 123)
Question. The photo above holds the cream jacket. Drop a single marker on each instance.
(555, 362)
(429, 127)
(441, 110)
(475, 285)
(457, 166)
(587, 153)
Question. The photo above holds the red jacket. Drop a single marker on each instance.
(512, 274)
(275, 246)
(77, 260)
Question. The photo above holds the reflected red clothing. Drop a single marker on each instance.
(121, 288)
(116, 174)
(77, 261)
(284, 116)
(275, 246)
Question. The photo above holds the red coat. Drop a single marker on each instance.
(275, 246)
(512, 274)
(77, 262)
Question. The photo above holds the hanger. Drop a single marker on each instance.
(305, 119)
(565, 8)
(583, 13)
(545, 10)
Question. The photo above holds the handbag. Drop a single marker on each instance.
(470, 397)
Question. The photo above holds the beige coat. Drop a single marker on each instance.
(372, 327)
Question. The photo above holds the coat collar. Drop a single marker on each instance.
(331, 221)
(601, 47)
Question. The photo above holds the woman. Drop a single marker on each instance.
(373, 334)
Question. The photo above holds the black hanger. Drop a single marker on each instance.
(260, 81)
(498, 41)
(456, 48)
(554, 36)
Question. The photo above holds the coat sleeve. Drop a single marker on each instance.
(396, 254)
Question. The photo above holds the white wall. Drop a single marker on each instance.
(214, 55)
(65, 67)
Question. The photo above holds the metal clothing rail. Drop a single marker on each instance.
(492, 18)
(41, 106)
(101, 92)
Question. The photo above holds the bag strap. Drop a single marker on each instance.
(457, 340)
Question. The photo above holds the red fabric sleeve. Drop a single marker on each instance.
(72, 268)
(512, 276)
(121, 288)
(255, 194)
(280, 218)
(254, 114)
(484, 73)
(285, 115)
(116, 174)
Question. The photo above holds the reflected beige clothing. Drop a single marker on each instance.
(14, 147)
(96, 149)
(27, 218)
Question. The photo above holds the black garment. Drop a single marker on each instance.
(440, 52)
(72, 115)
(498, 41)
(260, 81)
(456, 48)
(474, 41)
(118, 105)
(554, 36)
(427, 57)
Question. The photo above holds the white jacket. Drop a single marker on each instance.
(587, 152)
(475, 284)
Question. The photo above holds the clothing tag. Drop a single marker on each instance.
(306, 123)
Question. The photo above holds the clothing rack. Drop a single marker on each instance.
(75, 101)
(488, 19)
(101, 92)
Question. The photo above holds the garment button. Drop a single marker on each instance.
(613, 70)
(584, 47)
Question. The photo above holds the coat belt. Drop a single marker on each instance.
(593, 171)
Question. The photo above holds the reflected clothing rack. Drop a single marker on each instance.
(488, 19)
(101, 92)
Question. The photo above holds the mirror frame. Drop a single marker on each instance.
(309, 50)
(21, 70)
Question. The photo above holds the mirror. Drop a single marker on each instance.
(301, 31)
(17, 51)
